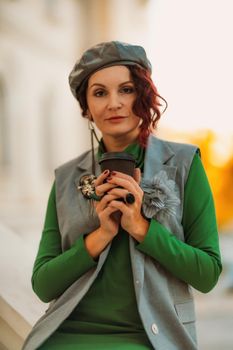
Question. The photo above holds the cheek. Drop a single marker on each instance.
(96, 103)
(130, 101)
(96, 113)
(94, 108)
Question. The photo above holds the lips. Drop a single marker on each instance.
(116, 117)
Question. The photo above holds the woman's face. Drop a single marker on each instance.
(110, 97)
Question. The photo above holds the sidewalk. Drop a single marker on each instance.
(215, 320)
(215, 309)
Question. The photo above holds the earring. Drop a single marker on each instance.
(92, 130)
(89, 116)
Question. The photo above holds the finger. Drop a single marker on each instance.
(104, 202)
(137, 175)
(118, 192)
(102, 177)
(131, 185)
(122, 193)
(121, 175)
(102, 189)
(135, 179)
(108, 211)
(118, 205)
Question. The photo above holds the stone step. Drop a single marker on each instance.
(19, 306)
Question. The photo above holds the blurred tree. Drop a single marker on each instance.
(220, 177)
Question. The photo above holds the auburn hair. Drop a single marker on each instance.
(146, 105)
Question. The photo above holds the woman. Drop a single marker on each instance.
(124, 283)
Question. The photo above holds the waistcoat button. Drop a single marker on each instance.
(154, 328)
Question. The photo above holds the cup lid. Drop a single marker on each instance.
(117, 155)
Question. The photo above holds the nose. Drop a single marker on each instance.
(114, 101)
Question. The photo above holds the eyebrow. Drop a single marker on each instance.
(102, 85)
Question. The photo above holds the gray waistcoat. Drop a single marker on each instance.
(164, 302)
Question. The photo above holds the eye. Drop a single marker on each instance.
(127, 89)
(99, 93)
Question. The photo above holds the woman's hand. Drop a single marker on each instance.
(97, 240)
(131, 220)
(108, 225)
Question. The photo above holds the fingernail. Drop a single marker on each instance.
(106, 172)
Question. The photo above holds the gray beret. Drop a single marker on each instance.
(103, 55)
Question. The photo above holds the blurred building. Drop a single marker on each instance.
(39, 119)
(39, 123)
(41, 126)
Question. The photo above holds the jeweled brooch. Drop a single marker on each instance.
(87, 186)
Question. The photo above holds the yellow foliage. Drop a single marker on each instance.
(220, 178)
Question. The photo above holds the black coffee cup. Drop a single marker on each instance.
(118, 161)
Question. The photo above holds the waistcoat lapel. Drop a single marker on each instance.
(157, 157)
(86, 164)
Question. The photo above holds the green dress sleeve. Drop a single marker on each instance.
(195, 261)
(54, 271)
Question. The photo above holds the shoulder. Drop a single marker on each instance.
(75, 162)
(69, 172)
(172, 156)
(184, 150)
(170, 148)
(177, 147)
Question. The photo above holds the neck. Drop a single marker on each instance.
(118, 144)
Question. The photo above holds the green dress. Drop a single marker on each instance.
(107, 316)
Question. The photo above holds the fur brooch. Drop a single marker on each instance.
(160, 197)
